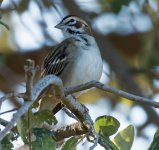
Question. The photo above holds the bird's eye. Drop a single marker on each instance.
(78, 24)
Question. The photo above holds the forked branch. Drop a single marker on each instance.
(85, 123)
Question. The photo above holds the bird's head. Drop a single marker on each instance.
(73, 25)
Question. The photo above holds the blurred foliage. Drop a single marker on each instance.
(1, 2)
(113, 5)
(6, 143)
(151, 52)
(23, 5)
(4, 38)
(2, 59)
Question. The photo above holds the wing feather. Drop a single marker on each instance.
(56, 61)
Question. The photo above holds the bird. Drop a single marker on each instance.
(77, 59)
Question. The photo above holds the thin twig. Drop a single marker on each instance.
(29, 75)
(30, 72)
(95, 142)
(113, 90)
(69, 113)
(8, 111)
(29, 128)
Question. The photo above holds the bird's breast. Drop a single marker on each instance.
(86, 67)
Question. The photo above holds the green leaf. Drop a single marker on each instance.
(108, 142)
(70, 144)
(36, 120)
(106, 125)
(6, 142)
(43, 116)
(43, 140)
(155, 143)
(22, 127)
(124, 139)
(4, 24)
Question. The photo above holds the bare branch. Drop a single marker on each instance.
(71, 115)
(30, 72)
(74, 129)
(85, 124)
(81, 112)
(78, 109)
(36, 91)
(3, 122)
(29, 75)
(118, 92)
(69, 130)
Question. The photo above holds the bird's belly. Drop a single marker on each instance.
(85, 70)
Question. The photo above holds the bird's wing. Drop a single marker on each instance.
(56, 61)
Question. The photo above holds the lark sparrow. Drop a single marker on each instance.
(77, 59)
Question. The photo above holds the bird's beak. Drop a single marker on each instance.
(59, 26)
